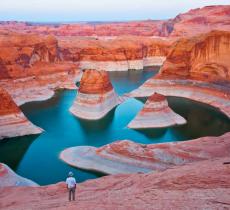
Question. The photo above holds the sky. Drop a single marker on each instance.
(97, 10)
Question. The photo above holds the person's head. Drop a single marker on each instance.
(70, 174)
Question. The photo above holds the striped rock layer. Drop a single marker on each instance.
(12, 121)
(156, 114)
(96, 96)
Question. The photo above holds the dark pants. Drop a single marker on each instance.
(72, 193)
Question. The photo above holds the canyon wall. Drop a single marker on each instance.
(115, 54)
(204, 57)
(31, 67)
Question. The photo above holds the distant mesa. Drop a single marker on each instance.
(96, 96)
(156, 114)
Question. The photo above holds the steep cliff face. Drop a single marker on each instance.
(204, 57)
(115, 54)
(12, 120)
(96, 96)
(95, 82)
(19, 52)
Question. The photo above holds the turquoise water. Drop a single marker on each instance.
(36, 156)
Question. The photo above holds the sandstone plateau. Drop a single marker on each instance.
(193, 186)
(129, 157)
(195, 21)
(9, 178)
(156, 114)
(96, 96)
(12, 121)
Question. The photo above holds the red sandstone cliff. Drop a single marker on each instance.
(116, 49)
(95, 82)
(204, 57)
(7, 105)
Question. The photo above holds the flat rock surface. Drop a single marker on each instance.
(192, 186)
(130, 157)
(9, 178)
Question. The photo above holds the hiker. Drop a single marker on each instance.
(71, 185)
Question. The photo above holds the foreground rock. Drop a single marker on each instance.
(129, 157)
(12, 121)
(9, 178)
(156, 114)
(96, 96)
(194, 186)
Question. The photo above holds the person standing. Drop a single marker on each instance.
(71, 186)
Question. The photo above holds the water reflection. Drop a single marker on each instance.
(12, 150)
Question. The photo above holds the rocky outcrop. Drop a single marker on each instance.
(204, 57)
(31, 67)
(196, 68)
(194, 186)
(12, 121)
(115, 54)
(217, 96)
(200, 20)
(129, 157)
(96, 96)
(156, 114)
(9, 178)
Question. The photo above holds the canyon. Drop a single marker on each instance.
(193, 51)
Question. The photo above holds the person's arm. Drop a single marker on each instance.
(66, 183)
(75, 182)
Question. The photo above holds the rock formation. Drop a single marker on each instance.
(129, 157)
(9, 178)
(196, 68)
(12, 121)
(204, 57)
(156, 114)
(198, 185)
(195, 21)
(31, 67)
(115, 54)
(96, 96)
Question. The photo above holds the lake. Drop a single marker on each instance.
(37, 156)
